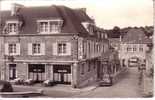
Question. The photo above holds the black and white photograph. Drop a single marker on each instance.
(77, 48)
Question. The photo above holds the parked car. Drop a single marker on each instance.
(5, 86)
(106, 81)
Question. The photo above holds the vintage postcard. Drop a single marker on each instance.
(76, 48)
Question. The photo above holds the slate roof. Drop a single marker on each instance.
(136, 36)
(72, 18)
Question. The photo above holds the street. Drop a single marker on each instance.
(127, 86)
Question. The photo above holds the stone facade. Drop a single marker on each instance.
(78, 67)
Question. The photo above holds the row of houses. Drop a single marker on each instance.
(133, 47)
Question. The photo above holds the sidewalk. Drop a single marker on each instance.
(58, 87)
(146, 85)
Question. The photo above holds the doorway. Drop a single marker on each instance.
(12, 71)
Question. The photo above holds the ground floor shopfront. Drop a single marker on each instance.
(76, 74)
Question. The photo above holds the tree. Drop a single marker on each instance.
(116, 32)
(148, 30)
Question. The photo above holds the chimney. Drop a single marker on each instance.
(83, 9)
(15, 8)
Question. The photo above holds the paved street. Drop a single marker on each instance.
(126, 87)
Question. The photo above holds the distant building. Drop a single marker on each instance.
(133, 47)
(54, 43)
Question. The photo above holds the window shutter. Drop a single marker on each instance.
(18, 48)
(38, 27)
(42, 48)
(29, 48)
(55, 47)
(6, 49)
(16, 73)
(68, 48)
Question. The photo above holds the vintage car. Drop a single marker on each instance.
(5, 86)
(106, 81)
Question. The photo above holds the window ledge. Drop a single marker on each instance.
(49, 32)
(12, 33)
(37, 55)
(63, 55)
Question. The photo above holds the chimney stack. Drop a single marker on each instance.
(83, 9)
(15, 8)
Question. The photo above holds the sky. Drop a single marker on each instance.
(107, 13)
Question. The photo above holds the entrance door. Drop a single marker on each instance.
(12, 71)
(37, 72)
(62, 74)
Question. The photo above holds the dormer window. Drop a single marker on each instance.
(49, 26)
(89, 27)
(43, 26)
(11, 27)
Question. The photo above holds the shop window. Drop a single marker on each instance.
(82, 68)
(89, 66)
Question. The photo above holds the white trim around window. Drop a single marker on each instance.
(12, 48)
(36, 49)
(49, 26)
(62, 48)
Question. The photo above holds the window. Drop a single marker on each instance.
(89, 66)
(11, 27)
(134, 48)
(49, 26)
(89, 48)
(94, 64)
(12, 71)
(54, 27)
(36, 48)
(12, 48)
(43, 26)
(61, 48)
(141, 48)
(129, 49)
(82, 69)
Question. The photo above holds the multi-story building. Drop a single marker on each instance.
(54, 43)
(133, 47)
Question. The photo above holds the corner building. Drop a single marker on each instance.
(50, 43)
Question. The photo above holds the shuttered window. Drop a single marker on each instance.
(62, 49)
(12, 49)
(36, 48)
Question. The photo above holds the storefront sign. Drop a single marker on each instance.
(62, 71)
